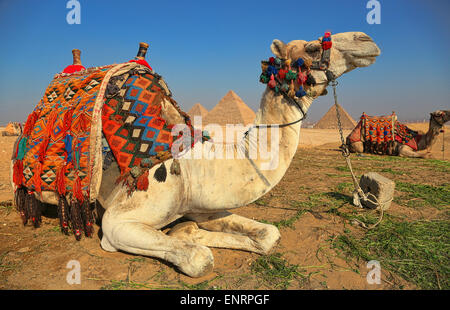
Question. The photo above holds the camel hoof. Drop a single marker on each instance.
(270, 240)
(200, 262)
(427, 156)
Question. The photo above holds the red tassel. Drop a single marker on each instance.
(31, 120)
(142, 181)
(37, 177)
(68, 120)
(77, 189)
(61, 180)
(43, 149)
(51, 122)
(272, 83)
(18, 173)
(83, 123)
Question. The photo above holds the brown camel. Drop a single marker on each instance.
(423, 141)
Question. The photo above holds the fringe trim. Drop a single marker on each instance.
(77, 216)
(28, 206)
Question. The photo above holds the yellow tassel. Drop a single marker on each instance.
(291, 92)
(288, 63)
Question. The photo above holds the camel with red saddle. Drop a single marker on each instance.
(416, 145)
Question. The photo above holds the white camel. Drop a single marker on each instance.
(205, 189)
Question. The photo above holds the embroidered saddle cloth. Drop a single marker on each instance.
(60, 150)
(382, 130)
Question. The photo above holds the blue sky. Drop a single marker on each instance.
(205, 48)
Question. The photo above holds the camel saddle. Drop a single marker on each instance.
(61, 149)
(380, 132)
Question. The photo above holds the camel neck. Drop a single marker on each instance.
(282, 142)
(430, 135)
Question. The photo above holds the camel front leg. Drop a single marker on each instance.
(138, 238)
(227, 230)
(406, 151)
(356, 147)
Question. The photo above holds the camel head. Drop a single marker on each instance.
(349, 51)
(440, 117)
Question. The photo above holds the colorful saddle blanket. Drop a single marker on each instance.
(56, 151)
(382, 130)
(60, 150)
(378, 129)
(136, 133)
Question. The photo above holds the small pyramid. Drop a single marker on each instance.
(231, 109)
(329, 120)
(198, 110)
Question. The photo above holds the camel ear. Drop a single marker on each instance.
(279, 49)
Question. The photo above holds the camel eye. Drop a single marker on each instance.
(312, 48)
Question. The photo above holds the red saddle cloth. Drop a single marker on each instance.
(383, 129)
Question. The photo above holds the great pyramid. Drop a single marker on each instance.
(230, 110)
(329, 120)
(198, 110)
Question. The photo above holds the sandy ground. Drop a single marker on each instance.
(37, 258)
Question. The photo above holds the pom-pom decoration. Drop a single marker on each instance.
(263, 78)
(272, 83)
(326, 45)
(282, 74)
(277, 62)
(271, 70)
(326, 41)
(300, 92)
(291, 75)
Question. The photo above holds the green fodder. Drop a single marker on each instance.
(417, 251)
(422, 195)
(276, 271)
(439, 165)
(392, 171)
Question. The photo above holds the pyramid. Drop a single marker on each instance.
(198, 110)
(329, 120)
(230, 110)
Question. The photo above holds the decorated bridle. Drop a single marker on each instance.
(433, 118)
(279, 75)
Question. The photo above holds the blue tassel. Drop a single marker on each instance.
(68, 146)
(300, 92)
(326, 39)
(300, 62)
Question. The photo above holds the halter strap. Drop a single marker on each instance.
(321, 65)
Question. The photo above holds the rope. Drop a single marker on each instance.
(358, 193)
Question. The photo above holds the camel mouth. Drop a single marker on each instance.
(364, 61)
